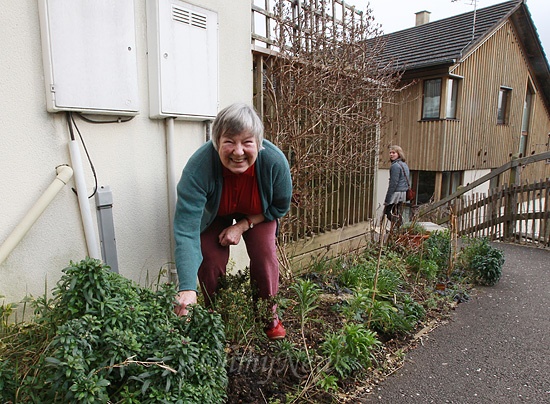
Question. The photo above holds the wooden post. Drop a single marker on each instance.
(437, 186)
(514, 171)
(511, 201)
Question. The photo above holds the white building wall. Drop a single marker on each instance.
(382, 182)
(473, 175)
(129, 157)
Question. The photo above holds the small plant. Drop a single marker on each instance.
(328, 382)
(307, 293)
(483, 261)
(234, 303)
(351, 349)
(6, 310)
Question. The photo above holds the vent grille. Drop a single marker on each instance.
(188, 17)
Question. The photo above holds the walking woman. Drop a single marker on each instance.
(398, 185)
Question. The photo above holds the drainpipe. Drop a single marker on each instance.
(173, 173)
(172, 184)
(171, 168)
(82, 192)
(64, 174)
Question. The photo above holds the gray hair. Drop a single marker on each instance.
(235, 119)
(399, 151)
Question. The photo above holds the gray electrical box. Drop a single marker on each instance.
(105, 222)
(89, 56)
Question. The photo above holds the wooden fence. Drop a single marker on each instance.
(512, 213)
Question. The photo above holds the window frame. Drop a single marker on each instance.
(503, 105)
(450, 182)
(451, 97)
(436, 100)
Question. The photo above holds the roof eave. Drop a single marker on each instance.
(427, 69)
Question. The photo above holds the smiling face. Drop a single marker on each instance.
(238, 152)
(393, 155)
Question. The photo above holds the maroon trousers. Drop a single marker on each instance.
(261, 246)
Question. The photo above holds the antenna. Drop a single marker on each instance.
(471, 3)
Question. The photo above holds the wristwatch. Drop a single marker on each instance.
(250, 223)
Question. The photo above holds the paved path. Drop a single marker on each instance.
(496, 348)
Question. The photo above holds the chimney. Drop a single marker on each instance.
(422, 17)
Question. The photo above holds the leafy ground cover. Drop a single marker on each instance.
(350, 322)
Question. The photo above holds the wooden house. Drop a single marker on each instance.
(476, 93)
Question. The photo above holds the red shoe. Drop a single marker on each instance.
(277, 332)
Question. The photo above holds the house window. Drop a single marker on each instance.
(424, 183)
(432, 99)
(525, 120)
(450, 181)
(503, 105)
(452, 96)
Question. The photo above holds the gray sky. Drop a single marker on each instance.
(395, 15)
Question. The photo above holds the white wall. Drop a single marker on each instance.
(473, 175)
(129, 157)
(382, 182)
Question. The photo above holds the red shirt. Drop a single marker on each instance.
(240, 193)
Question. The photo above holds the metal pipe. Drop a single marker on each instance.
(64, 174)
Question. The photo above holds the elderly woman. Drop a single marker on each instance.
(236, 185)
(398, 185)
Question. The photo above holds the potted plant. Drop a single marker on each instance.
(412, 235)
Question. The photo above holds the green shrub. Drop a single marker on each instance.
(482, 262)
(361, 274)
(351, 349)
(117, 342)
(389, 315)
(438, 249)
(424, 266)
(234, 303)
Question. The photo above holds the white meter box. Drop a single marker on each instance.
(89, 53)
(183, 60)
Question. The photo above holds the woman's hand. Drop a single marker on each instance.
(184, 298)
(232, 235)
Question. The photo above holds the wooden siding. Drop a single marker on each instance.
(474, 140)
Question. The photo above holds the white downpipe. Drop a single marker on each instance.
(172, 184)
(85, 211)
(171, 168)
(64, 174)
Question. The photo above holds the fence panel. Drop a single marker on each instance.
(512, 213)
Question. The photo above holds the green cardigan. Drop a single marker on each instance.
(199, 193)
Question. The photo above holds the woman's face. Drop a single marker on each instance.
(238, 152)
(393, 155)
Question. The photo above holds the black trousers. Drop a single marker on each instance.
(394, 213)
